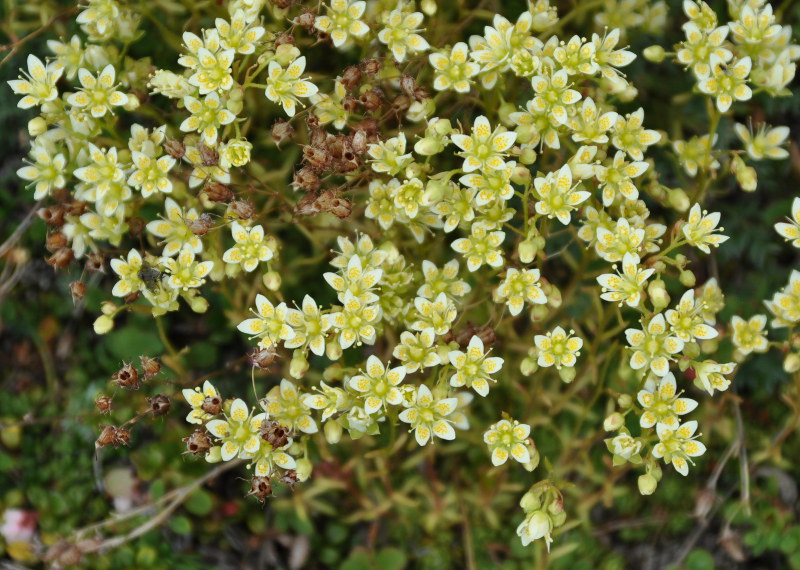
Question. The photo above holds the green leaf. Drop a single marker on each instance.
(181, 525)
(391, 559)
(200, 503)
(699, 560)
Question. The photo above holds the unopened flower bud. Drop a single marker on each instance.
(298, 366)
(428, 146)
(530, 501)
(103, 324)
(657, 291)
(791, 363)
(539, 313)
(678, 199)
(687, 278)
(613, 422)
(647, 484)
(428, 7)
(303, 469)
(333, 350)
(504, 111)
(521, 175)
(625, 401)
(656, 54)
(528, 366)
(527, 156)
(333, 431)
(567, 373)
(272, 280)
(434, 192)
(37, 126)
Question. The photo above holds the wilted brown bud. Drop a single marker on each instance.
(282, 131)
(212, 405)
(126, 377)
(62, 554)
(351, 77)
(312, 121)
(420, 93)
(209, 156)
(487, 335)
(350, 104)
(136, 226)
(131, 297)
(55, 241)
(242, 209)
(284, 38)
(370, 66)
(359, 142)
(370, 127)
(262, 357)
(260, 488)
(200, 225)
(175, 148)
(328, 201)
(316, 157)
(52, 215)
(306, 179)
(372, 99)
(150, 367)
(103, 404)
(408, 85)
(218, 192)
(61, 258)
(159, 405)
(274, 433)
(290, 478)
(94, 262)
(78, 290)
(401, 104)
(76, 208)
(306, 20)
(112, 435)
(198, 442)
(463, 336)
(318, 137)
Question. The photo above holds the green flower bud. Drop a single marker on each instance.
(539, 313)
(435, 191)
(197, 303)
(625, 401)
(687, 278)
(527, 156)
(298, 366)
(656, 54)
(525, 134)
(534, 462)
(647, 484)
(530, 501)
(333, 431)
(528, 366)
(567, 374)
(428, 146)
(303, 469)
(132, 103)
(791, 363)
(521, 175)
(442, 127)
(678, 199)
(272, 280)
(504, 111)
(333, 350)
(103, 324)
(527, 251)
(614, 422)
(37, 126)
(657, 291)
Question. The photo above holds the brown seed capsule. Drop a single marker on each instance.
(262, 357)
(175, 148)
(103, 404)
(218, 192)
(159, 405)
(209, 156)
(370, 66)
(126, 377)
(200, 225)
(131, 298)
(306, 20)
(150, 367)
(243, 209)
(316, 157)
(307, 205)
(260, 488)
(306, 179)
(328, 201)
(52, 215)
(351, 77)
(408, 85)
(282, 131)
(420, 94)
(212, 405)
(198, 442)
(372, 99)
(61, 258)
(370, 126)
(401, 104)
(136, 226)
(290, 478)
(78, 290)
(76, 208)
(350, 104)
(94, 263)
(55, 241)
(359, 141)
(112, 435)
(274, 433)
(487, 335)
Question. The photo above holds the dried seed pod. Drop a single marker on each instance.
(306, 179)
(209, 156)
(487, 335)
(218, 192)
(200, 225)
(420, 94)
(212, 405)
(94, 263)
(307, 205)
(370, 66)
(150, 367)
(198, 442)
(372, 99)
(78, 290)
(61, 258)
(350, 104)
(52, 215)
(316, 157)
(359, 141)
(401, 104)
(175, 148)
(76, 208)
(306, 19)
(290, 478)
(103, 403)
(126, 377)
(274, 433)
(370, 126)
(351, 77)
(136, 226)
(55, 241)
(408, 85)
(284, 38)
(260, 488)
(159, 405)
(282, 131)
(112, 435)
(242, 209)
(328, 201)
(262, 357)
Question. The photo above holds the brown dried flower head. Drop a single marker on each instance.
(127, 377)
(198, 442)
